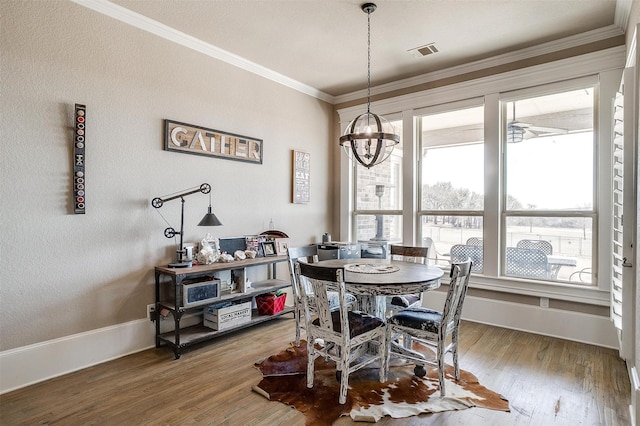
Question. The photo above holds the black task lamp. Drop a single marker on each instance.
(209, 219)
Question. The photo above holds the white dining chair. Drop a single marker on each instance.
(307, 254)
(438, 330)
(346, 335)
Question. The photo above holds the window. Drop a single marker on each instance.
(549, 186)
(451, 179)
(378, 197)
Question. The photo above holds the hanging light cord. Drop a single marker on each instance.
(368, 60)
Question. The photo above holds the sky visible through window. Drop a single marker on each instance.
(553, 172)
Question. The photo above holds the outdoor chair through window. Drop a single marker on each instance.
(543, 245)
(474, 241)
(526, 263)
(462, 252)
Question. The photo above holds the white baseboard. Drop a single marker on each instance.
(575, 326)
(35, 363)
(31, 364)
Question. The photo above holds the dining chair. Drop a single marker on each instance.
(461, 252)
(527, 263)
(406, 254)
(437, 330)
(543, 245)
(346, 334)
(307, 254)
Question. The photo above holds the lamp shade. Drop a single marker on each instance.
(210, 219)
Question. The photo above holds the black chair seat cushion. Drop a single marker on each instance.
(405, 300)
(359, 322)
(417, 318)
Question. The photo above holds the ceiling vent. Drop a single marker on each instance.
(427, 49)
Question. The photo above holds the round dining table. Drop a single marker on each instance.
(372, 280)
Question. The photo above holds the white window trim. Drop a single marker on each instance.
(604, 64)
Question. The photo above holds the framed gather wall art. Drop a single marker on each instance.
(191, 139)
(301, 175)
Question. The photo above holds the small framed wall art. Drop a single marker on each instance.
(301, 174)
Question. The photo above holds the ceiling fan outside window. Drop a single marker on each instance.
(517, 131)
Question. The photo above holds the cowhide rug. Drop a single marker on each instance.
(403, 395)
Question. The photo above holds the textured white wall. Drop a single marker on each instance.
(63, 273)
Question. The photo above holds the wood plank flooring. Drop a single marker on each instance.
(547, 381)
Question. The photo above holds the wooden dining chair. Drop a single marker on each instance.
(308, 254)
(346, 334)
(437, 330)
(406, 254)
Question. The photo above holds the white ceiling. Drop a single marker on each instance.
(322, 44)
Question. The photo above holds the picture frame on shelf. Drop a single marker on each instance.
(269, 248)
(282, 244)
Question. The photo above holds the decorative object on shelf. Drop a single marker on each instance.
(282, 244)
(301, 173)
(191, 139)
(169, 232)
(269, 248)
(79, 140)
(271, 303)
(369, 138)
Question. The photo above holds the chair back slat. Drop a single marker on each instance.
(317, 279)
(458, 285)
(297, 254)
(409, 253)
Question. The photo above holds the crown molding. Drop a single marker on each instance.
(495, 61)
(564, 69)
(161, 30)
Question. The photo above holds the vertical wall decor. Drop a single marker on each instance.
(301, 174)
(79, 140)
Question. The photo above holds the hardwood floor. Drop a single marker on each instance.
(547, 382)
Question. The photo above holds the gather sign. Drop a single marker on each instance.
(191, 139)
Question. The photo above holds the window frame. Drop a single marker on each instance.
(505, 212)
(604, 67)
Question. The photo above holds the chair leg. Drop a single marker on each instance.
(454, 351)
(344, 379)
(311, 358)
(441, 366)
(296, 313)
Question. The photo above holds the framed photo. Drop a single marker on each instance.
(269, 248)
(282, 244)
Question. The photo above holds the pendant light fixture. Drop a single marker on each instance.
(369, 139)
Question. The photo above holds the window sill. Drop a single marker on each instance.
(558, 291)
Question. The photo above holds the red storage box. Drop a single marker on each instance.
(269, 303)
